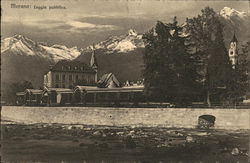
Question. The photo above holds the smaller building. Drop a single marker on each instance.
(107, 96)
(29, 97)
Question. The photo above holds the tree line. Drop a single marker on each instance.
(191, 63)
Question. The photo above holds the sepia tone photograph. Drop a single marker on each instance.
(127, 81)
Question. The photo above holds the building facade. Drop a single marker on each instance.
(67, 74)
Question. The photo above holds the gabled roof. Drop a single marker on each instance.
(72, 66)
(108, 81)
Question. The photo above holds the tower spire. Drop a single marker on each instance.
(234, 39)
(93, 61)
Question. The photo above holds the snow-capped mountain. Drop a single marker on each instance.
(120, 44)
(228, 13)
(21, 45)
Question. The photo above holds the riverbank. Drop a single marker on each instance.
(85, 143)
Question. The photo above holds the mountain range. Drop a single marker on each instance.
(25, 59)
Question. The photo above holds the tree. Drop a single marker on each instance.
(170, 71)
(9, 93)
(208, 44)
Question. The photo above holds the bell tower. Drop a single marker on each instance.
(93, 62)
(233, 51)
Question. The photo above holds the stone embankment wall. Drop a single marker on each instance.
(143, 117)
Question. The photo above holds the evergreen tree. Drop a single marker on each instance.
(207, 39)
(170, 72)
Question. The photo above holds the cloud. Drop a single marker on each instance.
(69, 25)
(85, 25)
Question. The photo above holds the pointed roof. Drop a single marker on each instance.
(108, 81)
(93, 61)
(112, 84)
(234, 38)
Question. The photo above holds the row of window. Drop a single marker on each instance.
(72, 68)
(70, 77)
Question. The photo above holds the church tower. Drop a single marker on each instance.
(233, 52)
(93, 62)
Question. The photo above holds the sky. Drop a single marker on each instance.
(84, 22)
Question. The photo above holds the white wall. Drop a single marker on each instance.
(164, 117)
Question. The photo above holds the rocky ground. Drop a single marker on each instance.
(81, 143)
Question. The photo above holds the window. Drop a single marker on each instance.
(70, 77)
(76, 77)
(57, 77)
(76, 68)
(63, 85)
(57, 86)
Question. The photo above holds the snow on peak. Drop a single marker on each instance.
(228, 12)
(21, 45)
(120, 44)
(18, 44)
(125, 46)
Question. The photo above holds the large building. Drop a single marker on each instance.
(67, 74)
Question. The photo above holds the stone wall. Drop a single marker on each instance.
(148, 117)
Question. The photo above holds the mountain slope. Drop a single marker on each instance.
(125, 66)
